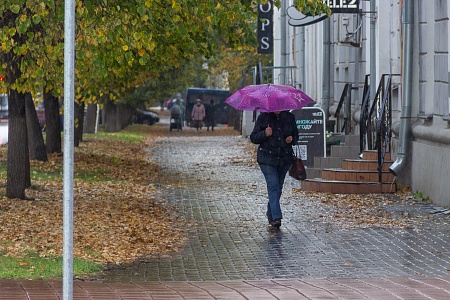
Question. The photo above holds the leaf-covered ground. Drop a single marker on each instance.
(118, 216)
(348, 211)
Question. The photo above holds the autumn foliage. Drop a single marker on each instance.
(118, 216)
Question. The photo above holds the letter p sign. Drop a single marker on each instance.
(265, 28)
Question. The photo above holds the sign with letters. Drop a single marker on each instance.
(311, 134)
(298, 19)
(265, 28)
(343, 6)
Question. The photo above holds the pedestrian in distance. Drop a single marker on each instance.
(175, 116)
(210, 111)
(275, 133)
(198, 114)
(181, 104)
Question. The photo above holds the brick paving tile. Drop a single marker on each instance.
(365, 288)
(218, 291)
(278, 289)
(438, 284)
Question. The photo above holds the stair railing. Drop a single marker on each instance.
(376, 123)
(344, 100)
(384, 127)
(364, 117)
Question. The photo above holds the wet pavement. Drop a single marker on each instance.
(224, 197)
(233, 254)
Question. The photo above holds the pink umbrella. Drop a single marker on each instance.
(268, 98)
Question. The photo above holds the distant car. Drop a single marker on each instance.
(147, 117)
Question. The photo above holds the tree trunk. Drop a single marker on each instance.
(110, 117)
(79, 120)
(18, 162)
(53, 123)
(124, 115)
(91, 118)
(117, 117)
(35, 139)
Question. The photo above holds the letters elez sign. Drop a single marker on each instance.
(265, 28)
(343, 6)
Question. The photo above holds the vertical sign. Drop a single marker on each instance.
(265, 28)
(311, 134)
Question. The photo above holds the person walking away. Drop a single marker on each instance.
(275, 133)
(181, 104)
(198, 114)
(175, 113)
(210, 111)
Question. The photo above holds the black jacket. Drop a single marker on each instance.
(274, 150)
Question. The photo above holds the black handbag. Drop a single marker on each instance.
(297, 169)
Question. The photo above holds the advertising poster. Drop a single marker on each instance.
(311, 134)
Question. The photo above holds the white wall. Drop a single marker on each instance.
(429, 155)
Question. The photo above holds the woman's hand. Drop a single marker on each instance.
(268, 131)
(289, 139)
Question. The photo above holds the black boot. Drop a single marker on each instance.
(275, 223)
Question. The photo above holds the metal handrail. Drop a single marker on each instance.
(376, 123)
(384, 128)
(343, 99)
(364, 116)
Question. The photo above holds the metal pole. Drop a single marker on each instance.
(302, 60)
(326, 68)
(348, 110)
(373, 65)
(407, 82)
(283, 42)
(97, 117)
(69, 96)
(260, 74)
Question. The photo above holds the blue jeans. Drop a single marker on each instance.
(274, 179)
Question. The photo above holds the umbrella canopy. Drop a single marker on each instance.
(268, 98)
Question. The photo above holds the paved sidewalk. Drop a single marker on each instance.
(346, 288)
(232, 254)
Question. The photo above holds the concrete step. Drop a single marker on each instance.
(313, 173)
(352, 140)
(345, 151)
(327, 162)
(373, 155)
(347, 187)
(343, 171)
(364, 164)
(356, 175)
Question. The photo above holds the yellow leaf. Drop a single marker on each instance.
(125, 47)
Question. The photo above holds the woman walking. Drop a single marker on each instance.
(198, 114)
(276, 133)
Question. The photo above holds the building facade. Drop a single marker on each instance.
(411, 42)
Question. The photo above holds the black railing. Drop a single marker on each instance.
(345, 101)
(364, 116)
(376, 122)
